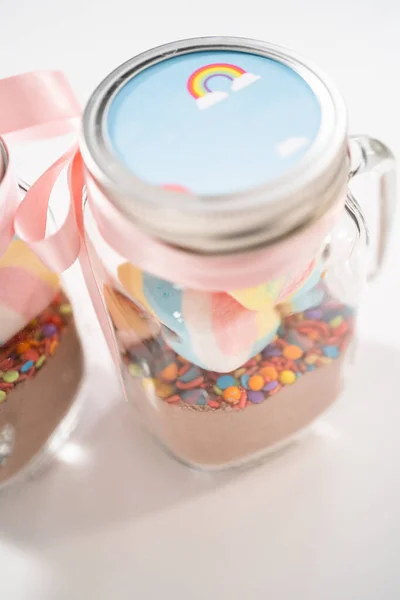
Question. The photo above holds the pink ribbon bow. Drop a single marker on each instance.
(42, 104)
(36, 106)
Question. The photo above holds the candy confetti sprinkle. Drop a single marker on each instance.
(305, 342)
(25, 353)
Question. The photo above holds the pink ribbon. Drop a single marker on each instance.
(39, 105)
(205, 272)
(9, 195)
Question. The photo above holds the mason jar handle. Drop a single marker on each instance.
(372, 156)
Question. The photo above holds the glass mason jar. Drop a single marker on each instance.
(41, 359)
(227, 249)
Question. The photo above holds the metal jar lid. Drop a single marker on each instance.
(217, 144)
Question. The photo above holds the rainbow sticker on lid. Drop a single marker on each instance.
(213, 122)
(199, 82)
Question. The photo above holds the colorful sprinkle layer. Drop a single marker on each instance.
(304, 342)
(26, 353)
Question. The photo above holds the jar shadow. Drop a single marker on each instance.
(111, 472)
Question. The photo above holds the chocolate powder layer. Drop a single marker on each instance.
(220, 438)
(37, 406)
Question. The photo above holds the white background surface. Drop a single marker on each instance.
(116, 519)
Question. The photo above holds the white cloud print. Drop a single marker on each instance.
(243, 81)
(210, 99)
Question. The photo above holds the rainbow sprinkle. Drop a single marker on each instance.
(304, 342)
(25, 353)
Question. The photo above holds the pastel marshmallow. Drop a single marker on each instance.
(27, 287)
(212, 330)
(221, 331)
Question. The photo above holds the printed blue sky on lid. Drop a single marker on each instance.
(213, 122)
